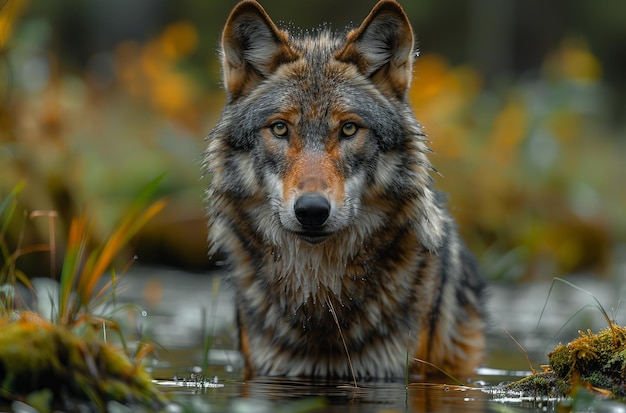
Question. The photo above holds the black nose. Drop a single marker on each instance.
(312, 210)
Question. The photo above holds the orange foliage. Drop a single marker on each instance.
(149, 73)
(506, 192)
(513, 159)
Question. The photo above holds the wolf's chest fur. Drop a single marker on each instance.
(339, 250)
(289, 303)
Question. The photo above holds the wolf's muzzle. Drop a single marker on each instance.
(312, 210)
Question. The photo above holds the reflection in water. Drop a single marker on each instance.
(288, 395)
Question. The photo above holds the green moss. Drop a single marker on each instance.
(596, 360)
(560, 360)
(599, 380)
(545, 384)
(30, 358)
(36, 355)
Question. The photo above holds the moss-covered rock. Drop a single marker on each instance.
(594, 361)
(544, 384)
(37, 355)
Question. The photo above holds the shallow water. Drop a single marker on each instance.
(289, 395)
(270, 395)
(181, 310)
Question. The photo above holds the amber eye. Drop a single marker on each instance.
(348, 129)
(279, 129)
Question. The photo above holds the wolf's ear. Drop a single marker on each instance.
(382, 48)
(252, 48)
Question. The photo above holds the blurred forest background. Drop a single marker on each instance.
(524, 102)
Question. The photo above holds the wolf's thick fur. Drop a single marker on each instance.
(321, 198)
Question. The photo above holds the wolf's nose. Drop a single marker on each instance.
(312, 210)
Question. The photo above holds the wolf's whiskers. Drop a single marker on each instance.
(343, 340)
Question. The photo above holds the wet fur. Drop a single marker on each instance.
(391, 265)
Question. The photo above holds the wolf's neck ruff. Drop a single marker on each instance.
(306, 273)
(321, 197)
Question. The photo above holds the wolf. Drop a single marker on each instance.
(343, 258)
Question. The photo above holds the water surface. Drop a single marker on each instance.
(182, 310)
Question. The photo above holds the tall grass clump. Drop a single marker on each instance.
(64, 360)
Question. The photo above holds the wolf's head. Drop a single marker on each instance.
(317, 128)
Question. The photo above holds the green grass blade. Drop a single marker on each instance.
(76, 246)
(7, 203)
(134, 219)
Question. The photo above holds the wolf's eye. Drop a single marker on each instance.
(348, 129)
(279, 129)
